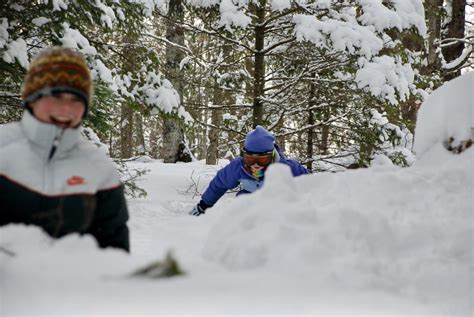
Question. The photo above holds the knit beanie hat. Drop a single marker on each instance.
(259, 140)
(56, 70)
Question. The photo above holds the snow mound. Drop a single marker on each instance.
(381, 160)
(447, 112)
(396, 229)
(57, 259)
(144, 159)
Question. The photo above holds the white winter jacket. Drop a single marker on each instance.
(53, 178)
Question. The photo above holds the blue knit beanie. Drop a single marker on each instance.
(259, 140)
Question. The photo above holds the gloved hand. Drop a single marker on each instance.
(197, 211)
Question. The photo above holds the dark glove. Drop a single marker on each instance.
(199, 209)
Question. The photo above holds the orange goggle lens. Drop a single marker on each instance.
(262, 159)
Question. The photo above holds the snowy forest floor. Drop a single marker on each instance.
(380, 241)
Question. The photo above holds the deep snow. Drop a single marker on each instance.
(382, 240)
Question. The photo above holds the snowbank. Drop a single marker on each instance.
(447, 112)
(409, 231)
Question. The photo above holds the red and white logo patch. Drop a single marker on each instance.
(75, 180)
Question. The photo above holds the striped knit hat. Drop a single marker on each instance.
(56, 70)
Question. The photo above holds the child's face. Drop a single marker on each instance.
(64, 110)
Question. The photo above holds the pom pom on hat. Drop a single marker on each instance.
(259, 140)
(56, 70)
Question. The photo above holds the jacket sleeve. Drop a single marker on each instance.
(296, 168)
(109, 225)
(225, 179)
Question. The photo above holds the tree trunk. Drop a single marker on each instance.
(281, 140)
(126, 131)
(454, 29)
(173, 135)
(212, 150)
(111, 144)
(325, 131)
(433, 23)
(409, 112)
(249, 67)
(221, 96)
(126, 110)
(172, 138)
(310, 140)
(259, 68)
(202, 137)
(154, 141)
(140, 135)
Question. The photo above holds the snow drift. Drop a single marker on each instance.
(381, 240)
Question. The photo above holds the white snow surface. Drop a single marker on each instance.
(280, 5)
(74, 39)
(40, 21)
(343, 35)
(447, 112)
(405, 15)
(3, 32)
(386, 77)
(16, 50)
(232, 15)
(381, 241)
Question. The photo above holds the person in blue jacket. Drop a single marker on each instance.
(248, 170)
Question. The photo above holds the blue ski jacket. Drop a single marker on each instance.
(234, 174)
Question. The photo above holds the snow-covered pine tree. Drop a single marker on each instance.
(313, 68)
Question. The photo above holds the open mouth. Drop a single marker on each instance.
(63, 122)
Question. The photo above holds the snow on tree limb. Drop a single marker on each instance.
(385, 77)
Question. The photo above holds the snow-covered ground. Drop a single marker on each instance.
(381, 241)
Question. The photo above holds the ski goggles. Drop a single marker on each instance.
(262, 159)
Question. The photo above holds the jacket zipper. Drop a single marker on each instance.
(56, 140)
(47, 177)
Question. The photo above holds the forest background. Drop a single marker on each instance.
(336, 81)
